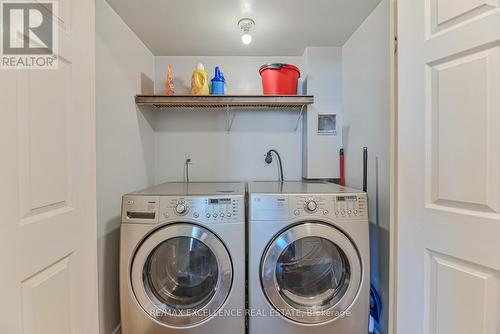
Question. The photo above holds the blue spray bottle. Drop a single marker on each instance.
(218, 82)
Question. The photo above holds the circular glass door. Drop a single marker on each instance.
(181, 275)
(311, 273)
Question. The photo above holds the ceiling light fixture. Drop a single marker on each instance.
(246, 25)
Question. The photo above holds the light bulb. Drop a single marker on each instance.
(246, 38)
(246, 25)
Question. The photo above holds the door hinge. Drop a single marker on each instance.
(395, 44)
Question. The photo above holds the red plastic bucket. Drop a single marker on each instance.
(279, 79)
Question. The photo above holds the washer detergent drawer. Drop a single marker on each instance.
(140, 209)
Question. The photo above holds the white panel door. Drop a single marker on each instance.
(48, 282)
(449, 167)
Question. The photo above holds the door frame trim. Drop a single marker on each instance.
(393, 233)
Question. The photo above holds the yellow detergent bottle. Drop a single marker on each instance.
(199, 81)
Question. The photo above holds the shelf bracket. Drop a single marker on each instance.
(300, 116)
(229, 118)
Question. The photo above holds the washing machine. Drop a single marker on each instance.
(308, 259)
(182, 260)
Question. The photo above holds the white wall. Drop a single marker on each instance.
(324, 81)
(216, 154)
(125, 143)
(366, 104)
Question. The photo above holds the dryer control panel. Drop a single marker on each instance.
(350, 206)
(286, 207)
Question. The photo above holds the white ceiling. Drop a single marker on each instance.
(209, 27)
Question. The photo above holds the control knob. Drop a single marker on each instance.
(311, 206)
(181, 208)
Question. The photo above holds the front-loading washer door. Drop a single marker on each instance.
(181, 275)
(311, 273)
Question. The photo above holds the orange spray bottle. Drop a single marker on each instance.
(170, 81)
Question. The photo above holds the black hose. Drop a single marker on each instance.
(186, 168)
(365, 169)
(279, 162)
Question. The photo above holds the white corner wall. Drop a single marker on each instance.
(216, 154)
(366, 104)
(324, 81)
(367, 112)
(125, 143)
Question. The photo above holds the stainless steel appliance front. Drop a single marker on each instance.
(311, 273)
(182, 259)
(181, 274)
(308, 258)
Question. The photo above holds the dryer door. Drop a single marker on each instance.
(181, 275)
(311, 273)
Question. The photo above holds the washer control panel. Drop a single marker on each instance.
(159, 209)
(216, 209)
(285, 207)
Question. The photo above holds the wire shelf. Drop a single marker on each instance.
(230, 103)
(223, 101)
